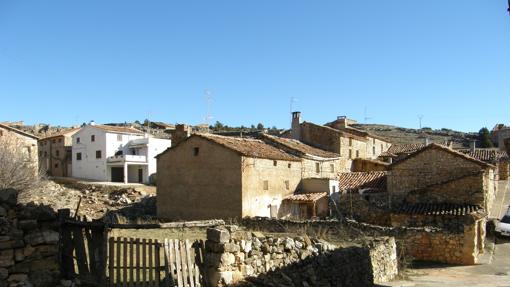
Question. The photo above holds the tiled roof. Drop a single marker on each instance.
(117, 129)
(250, 147)
(339, 132)
(15, 130)
(445, 149)
(439, 209)
(363, 180)
(295, 145)
(63, 133)
(487, 155)
(397, 149)
(306, 197)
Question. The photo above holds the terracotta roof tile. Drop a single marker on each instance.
(250, 147)
(486, 155)
(439, 209)
(306, 197)
(117, 129)
(397, 149)
(351, 181)
(301, 148)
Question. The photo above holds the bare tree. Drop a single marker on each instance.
(18, 168)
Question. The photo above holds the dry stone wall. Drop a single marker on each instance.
(243, 258)
(28, 243)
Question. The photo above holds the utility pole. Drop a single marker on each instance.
(420, 117)
(208, 100)
(365, 116)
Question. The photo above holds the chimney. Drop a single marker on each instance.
(427, 141)
(342, 121)
(92, 123)
(181, 133)
(472, 146)
(296, 127)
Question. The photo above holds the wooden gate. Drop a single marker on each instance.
(82, 250)
(137, 262)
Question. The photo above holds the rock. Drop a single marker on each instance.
(218, 235)
(3, 212)
(18, 277)
(27, 225)
(66, 283)
(9, 196)
(4, 273)
(289, 244)
(227, 259)
(47, 236)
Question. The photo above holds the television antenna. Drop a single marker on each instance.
(420, 117)
(365, 115)
(208, 99)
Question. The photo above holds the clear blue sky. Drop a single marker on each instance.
(68, 62)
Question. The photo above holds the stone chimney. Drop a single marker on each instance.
(472, 146)
(296, 125)
(181, 133)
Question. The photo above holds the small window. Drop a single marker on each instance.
(196, 151)
(266, 185)
(59, 140)
(57, 153)
(78, 156)
(289, 165)
(373, 141)
(45, 153)
(333, 188)
(382, 147)
(350, 154)
(56, 165)
(332, 167)
(317, 167)
(357, 154)
(350, 141)
(77, 140)
(1, 133)
(275, 163)
(53, 141)
(373, 150)
(93, 138)
(119, 138)
(98, 154)
(287, 185)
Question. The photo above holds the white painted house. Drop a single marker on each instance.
(117, 154)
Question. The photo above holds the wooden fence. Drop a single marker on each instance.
(137, 262)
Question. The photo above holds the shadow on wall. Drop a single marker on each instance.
(342, 267)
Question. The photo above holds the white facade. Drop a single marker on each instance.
(106, 155)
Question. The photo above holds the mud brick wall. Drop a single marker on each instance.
(235, 257)
(28, 243)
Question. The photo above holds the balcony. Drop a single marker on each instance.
(127, 158)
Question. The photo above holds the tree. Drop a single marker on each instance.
(260, 126)
(17, 167)
(218, 126)
(484, 138)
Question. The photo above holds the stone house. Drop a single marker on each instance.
(437, 174)
(400, 151)
(211, 176)
(55, 153)
(496, 157)
(116, 154)
(338, 137)
(500, 132)
(18, 138)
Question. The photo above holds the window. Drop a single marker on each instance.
(373, 141)
(382, 147)
(77, 140)
(373, 150)
(287, 185)
(57, 153)
(1, 133)
(350, 141)
(333, 189)
(98, 154)
(93, 138)
(317, 167)
(59, 140)
(357, 154)
(196, 151)
(275, 163)
(53, 141)
(266, 185)
(289, 165)
(56, 165)
(332, 168)
(78, 156)
(45, 153)
(119, 138)
(350, 154)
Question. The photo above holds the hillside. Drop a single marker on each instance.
(398, 135)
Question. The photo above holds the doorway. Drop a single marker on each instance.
(117, 174)
(140, 175)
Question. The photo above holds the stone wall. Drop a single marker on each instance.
(28, 243)
(361, 164)
(447, 241)
(235, 257)
(368, 208)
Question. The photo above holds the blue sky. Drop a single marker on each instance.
(68, 62)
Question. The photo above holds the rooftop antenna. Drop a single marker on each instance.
(208, 99)
(420, 117)
(366, 117)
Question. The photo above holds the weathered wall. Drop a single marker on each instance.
(204, 186)
(28, 244)
(360, 164)
(504, 170)
(239, 256)
(451, 253)
(28, 145)
(368, 208)
(53, 156)
(282, 179)
(320, 137)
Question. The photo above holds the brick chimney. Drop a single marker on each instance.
(181, 133)
(296, 125)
